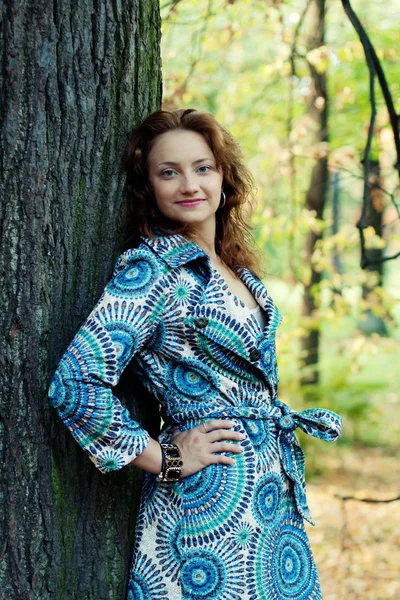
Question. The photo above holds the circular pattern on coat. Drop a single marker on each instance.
(215, 497)
(221, 359)
(91, 351)
(290, 560)
(146, 581)
(110, 460)
(268, 356)
(181, 291)
(124, 342)
(243, 535)
(284, 559)
(258, 431)
(169, 542)
(57, 390)
(267, 498)
(286, 423)
(203, 575)
(137, 277)
(262, 435)
(192, 378)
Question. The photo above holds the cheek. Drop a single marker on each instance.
(161, 191)
(164, 195)
(217, 181)
(166, 185)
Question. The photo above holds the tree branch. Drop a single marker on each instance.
(369, 500)
(375, 69)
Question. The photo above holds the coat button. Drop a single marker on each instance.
(201, 322)
(254, 355)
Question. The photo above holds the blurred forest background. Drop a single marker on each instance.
(290, 81)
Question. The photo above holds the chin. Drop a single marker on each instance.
(194, 221)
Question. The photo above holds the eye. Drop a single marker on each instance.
(205, 167)
(168, 172)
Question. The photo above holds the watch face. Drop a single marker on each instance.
(172, 473)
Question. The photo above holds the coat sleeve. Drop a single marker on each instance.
(119, 326)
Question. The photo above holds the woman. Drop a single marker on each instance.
(223, 501)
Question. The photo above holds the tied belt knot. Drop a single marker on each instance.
(319, 422)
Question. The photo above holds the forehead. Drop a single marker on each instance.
(179, 146)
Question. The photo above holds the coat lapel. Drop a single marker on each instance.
(260, 294)
(212, 316)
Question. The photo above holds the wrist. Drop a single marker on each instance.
(151, 458)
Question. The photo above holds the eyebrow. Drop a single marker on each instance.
(170, 162)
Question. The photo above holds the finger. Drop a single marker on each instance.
(222, 460)
(204, 427)
(218, 424)
(224, 434)
(226, 447)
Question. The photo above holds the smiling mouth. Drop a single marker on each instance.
(191, 201)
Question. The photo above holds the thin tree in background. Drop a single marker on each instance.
(373, 256)
(75, 78)
(317, 191)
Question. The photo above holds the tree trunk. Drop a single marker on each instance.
(372, 323)
(316, 194)
(75, 78)
(336, 224)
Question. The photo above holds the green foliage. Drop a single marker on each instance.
(233, 59)
(359, 380)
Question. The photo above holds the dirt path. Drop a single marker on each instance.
(357, 545)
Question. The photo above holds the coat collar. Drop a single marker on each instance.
(175, 250)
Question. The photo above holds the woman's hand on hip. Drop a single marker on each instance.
(199, 444)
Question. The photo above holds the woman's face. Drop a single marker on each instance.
(184, 178)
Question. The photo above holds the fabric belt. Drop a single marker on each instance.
(319, 422)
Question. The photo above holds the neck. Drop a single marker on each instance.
(205, 238)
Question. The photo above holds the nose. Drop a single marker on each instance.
(189, 183)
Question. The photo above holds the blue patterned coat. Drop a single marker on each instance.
(226, 532)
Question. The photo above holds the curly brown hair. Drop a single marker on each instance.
(234, 242)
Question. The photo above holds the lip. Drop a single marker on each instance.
(191, 202)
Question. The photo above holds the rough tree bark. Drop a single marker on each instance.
(75, 78)
(317, 191)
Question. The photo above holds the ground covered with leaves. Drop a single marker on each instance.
(356, 544)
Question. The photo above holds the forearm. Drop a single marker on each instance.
(151, 458)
